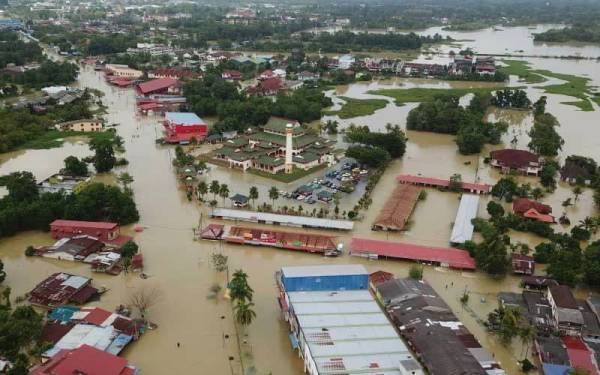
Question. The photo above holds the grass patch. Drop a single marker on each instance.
(55, 138)
(419, 95)
(285, 177)
(523, 70)
(574, 86)
(358, 107)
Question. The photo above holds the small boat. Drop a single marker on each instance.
(332, 253)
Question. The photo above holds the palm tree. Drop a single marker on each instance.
(244, 314)
(537, 193)
(273, 195)
(527, 334)
(253, 195)
(224, 192)
(202, 189)
(589, 224)
(125, 179)
(239, 288)
(215, 187)
(577, 191)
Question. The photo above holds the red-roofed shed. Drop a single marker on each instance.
(84, 360)
(104, 231)
(467, 187)
(579, 354)
(448, 257)
(159, 86)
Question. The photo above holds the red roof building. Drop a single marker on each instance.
(521, 161)
(60, 289)
(184, 127)
(159, 86)
(379, 277)
(533, 210)
(467, 187)
(175, 73)
(268, 87)
(85, 360)
(580, 356)
(104, 231)
(448, 257)
(523, 264)
(267, 74)
(231, 75)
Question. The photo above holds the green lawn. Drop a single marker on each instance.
(284, 177)
(574, 86)
(358, 107)
(419, 95)
(522, 69)
(55, 138)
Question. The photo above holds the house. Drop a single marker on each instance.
(85, 360)
(173, 73)
(346, 61)
(306, 76)
(72, 248)
(377, 278)
(461, 65)
(184, 127)
(122, 71)
(537, 282)
(568, 320)
(170, 86)
(578, 170)
(84, 125)
(60, 289)
(522, 161)
(231, 75)
(105, 232)
(533, 210)
(523, 264)
(61, 182)
(239, 200)
(267, 87)
(267, 74)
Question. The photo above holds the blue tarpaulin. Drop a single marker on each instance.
(63, 313)
(118, 344)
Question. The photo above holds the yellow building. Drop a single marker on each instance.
(85, 125)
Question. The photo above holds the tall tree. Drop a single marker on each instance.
(273, 194)
(104, 157)
(214, 188)
(244, 312)
(75, 167)
(253, 194)
(224, 192)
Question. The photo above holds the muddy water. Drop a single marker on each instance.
(179, 266)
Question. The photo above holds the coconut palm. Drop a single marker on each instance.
(202, 189)
(253, 194)
(125, 179)
(577, 191)
(243, 312)
(239, 288)
(224, 192)
(273, 194)
(527, 334)
(214, 188)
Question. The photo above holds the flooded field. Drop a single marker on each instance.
(179, 266)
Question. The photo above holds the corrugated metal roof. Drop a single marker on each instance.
(346, 331)
(467, 210)
(325, 270)
(254, 216)
(183, 118)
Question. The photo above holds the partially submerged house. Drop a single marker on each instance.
(83, 125)
(158, 86)
(395, 213)
(522, 264)
(109, 233)
(239, 200)
(184, 128)
(62, 288)
(533, 210)
(568, 319)
(521, 161)
(462, 230)
(85, 360)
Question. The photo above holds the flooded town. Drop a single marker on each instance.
(290, 188)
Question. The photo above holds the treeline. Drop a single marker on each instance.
(213, 96)
(589, 33)
(445, 115)
(20, 126)
(25, 208)
(14, 50)
(375, 149)
(48, 74)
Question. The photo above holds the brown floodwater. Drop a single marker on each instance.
(179, 266)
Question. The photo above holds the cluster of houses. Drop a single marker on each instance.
(279, 146)
(95, 243)
(50, 96)
(336, 322)
(567, 328)
(87, 340)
